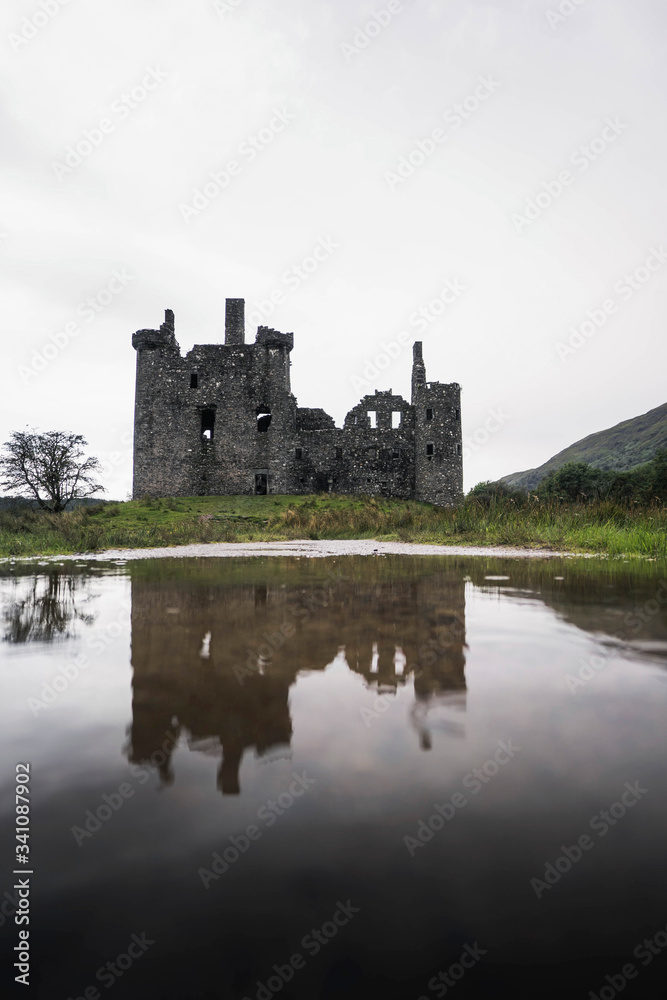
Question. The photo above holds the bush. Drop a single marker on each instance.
(490, 492)
(578, 482)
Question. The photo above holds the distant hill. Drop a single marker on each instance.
(622, 447)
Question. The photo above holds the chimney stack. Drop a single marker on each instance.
(234, 321)
(418, 370)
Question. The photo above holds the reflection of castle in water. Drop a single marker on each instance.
(216, 661)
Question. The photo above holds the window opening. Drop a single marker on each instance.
(207, 424)
(263, 419)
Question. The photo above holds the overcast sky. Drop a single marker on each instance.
(116, 113)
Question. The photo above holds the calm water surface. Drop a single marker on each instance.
(358, 777)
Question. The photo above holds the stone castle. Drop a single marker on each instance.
(223, 420)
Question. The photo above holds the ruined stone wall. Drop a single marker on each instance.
(357, 458)
(223, 420)
(379, 459)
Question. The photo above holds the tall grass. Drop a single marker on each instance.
(602, 527)
(38, 533)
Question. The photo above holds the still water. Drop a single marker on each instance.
(360, 777)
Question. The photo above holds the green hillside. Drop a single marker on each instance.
(628, 444)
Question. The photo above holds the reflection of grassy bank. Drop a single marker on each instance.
(586, 575)
(602, 527)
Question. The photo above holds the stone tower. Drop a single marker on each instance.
(438, 442)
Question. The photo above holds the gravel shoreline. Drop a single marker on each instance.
(310, 549)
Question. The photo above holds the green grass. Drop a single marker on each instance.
(604, 527)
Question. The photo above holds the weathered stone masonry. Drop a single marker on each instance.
(223, 420)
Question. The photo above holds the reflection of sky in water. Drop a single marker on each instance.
(397, 683)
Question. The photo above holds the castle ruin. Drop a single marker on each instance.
(223, 420)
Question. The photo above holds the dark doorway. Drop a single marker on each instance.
(261, 488)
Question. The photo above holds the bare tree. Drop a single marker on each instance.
(49, 468)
